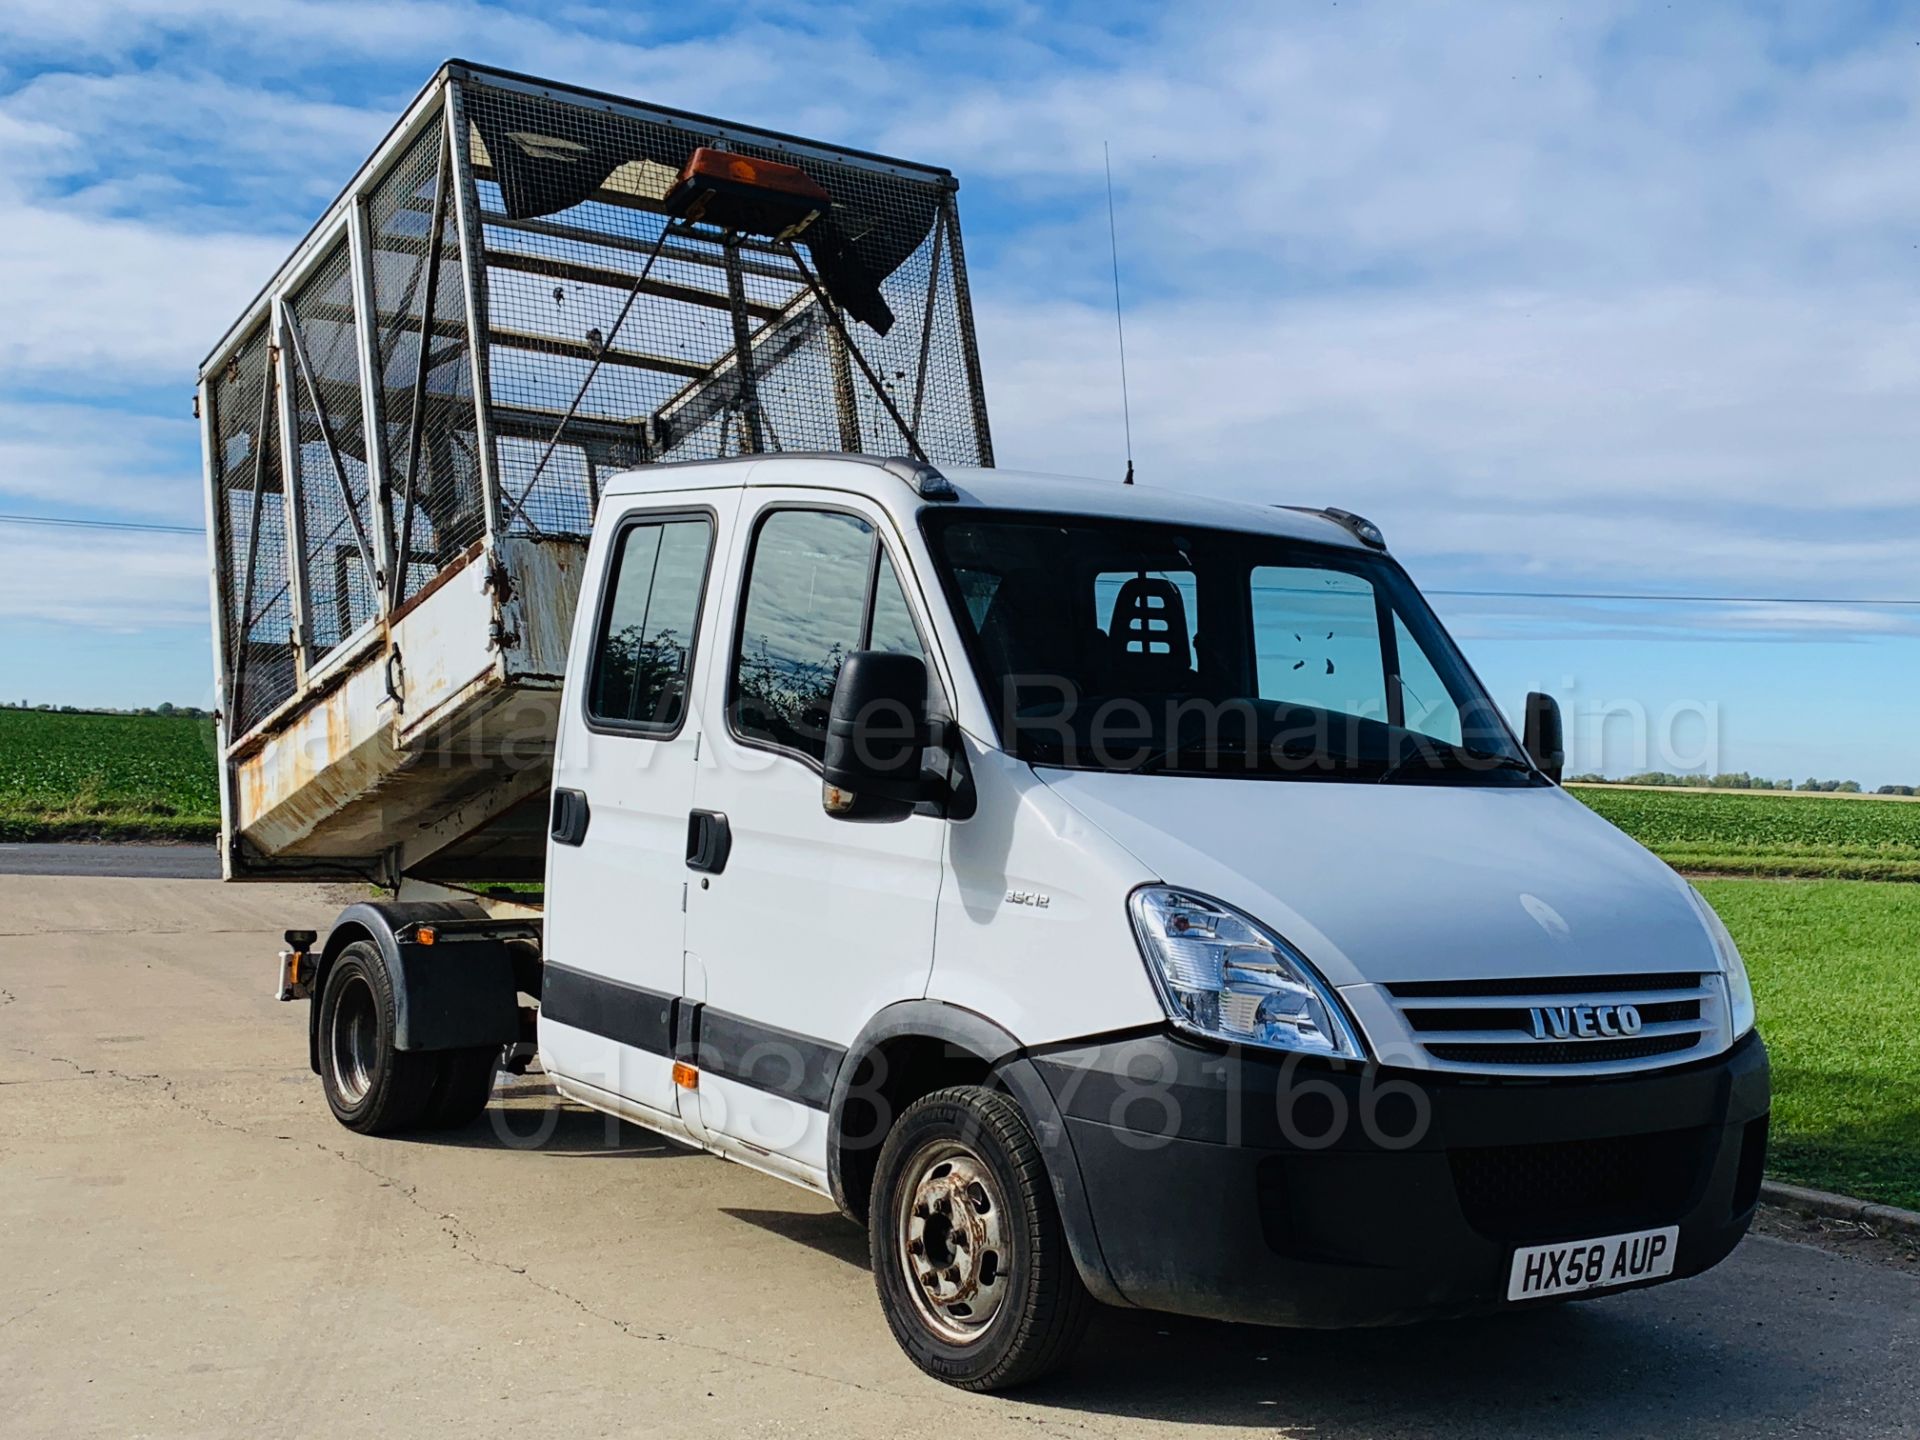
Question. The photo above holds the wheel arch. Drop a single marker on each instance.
(457, 993)
(915, 1047)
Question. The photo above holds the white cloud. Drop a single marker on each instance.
(98, 304)
(102, 580)
(1689, 438)
(56, 457)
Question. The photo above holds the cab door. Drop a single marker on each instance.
(623, 784)
(799, 926)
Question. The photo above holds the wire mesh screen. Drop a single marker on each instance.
(435, 454)
(631, 336)
(331, 446)
(257, 603)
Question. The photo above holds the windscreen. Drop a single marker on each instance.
(1120, 645)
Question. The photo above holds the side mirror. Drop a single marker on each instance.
(876, 732)
(1544, 741)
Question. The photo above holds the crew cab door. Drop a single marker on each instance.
(799, 927)
(623, 784)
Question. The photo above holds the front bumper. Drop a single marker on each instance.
(1240, 1186)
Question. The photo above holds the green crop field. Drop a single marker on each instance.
(109, 777)
(1768, 834)
(1836, 977)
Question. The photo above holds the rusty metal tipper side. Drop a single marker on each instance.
(527, 288)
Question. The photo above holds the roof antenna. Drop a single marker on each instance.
(1119, 326)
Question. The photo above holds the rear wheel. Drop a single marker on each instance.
(371, 1087)
(462, 1087)
(968, 1251)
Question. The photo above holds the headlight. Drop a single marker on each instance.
(1223, 975)
(1739, 987)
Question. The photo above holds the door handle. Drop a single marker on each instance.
(709, 841)
(571, 815)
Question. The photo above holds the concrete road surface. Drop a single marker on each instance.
(189, 1246)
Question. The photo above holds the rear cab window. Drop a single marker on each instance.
(644, 641)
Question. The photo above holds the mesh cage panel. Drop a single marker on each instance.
(257, 631)
(331, 438)
(447, 514)
(570, 195)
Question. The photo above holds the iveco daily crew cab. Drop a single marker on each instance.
(1100, 893)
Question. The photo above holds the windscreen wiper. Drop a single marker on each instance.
(1490, 759)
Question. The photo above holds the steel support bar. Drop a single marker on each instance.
(685, 413)
(293, 487)
(416, 417)
(236, 696)
(603, 351)
(333, 450)
(879, 390)
(473, 274)
(603, 354)
(846, 407)
(608, 279)
(926, 317)
(366, 335)
(219, 564)
(969, 347)
(698, 253)
(749, 391)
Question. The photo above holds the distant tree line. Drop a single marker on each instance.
(191, 712)
(1741, 780)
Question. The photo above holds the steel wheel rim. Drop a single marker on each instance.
(355, 1039)
(951, 1241)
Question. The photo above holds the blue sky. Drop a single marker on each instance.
(1602, 297)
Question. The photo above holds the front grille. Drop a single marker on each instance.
(1521, 1193)
(1444, 1020)
(1545, 985)
(1586, 1052)
(1574, 1024)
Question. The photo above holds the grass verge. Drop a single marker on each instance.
(1836, 973)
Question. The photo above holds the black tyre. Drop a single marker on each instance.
(968, 1251)
(462, 1087)
(371, 1087)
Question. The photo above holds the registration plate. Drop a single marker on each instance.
(1575, 1265)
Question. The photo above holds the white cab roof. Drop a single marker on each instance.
(989, 489)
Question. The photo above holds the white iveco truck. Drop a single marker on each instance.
(1099, 893)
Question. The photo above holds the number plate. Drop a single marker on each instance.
(1577, 1265)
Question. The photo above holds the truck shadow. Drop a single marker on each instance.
(826, 1231)
(1582, 1370)
(1652, 1363)
(536, 1119)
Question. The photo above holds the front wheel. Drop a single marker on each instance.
(967, 1246)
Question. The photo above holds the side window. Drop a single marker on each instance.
(1317, 640)
(892, 627)
(1424, 700)
(644, 647)
(805, 608)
